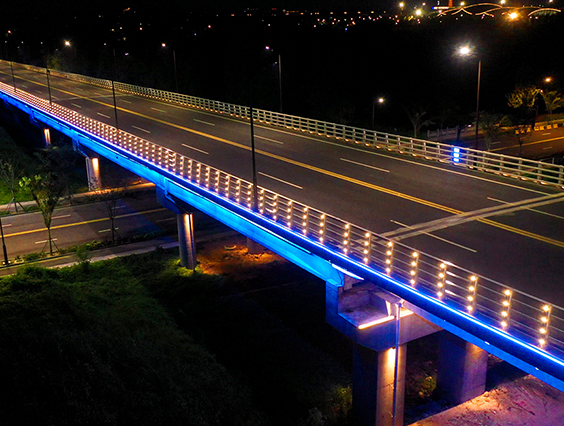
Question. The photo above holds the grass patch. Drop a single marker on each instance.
(89, 345)
(292, 380)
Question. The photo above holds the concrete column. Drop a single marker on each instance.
(373, 386)
(186, 245)
(254, 247)
(462, 368)
(93, 173)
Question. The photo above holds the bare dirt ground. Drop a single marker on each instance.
(519, 402)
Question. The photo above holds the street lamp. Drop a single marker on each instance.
(163, 45)
(379, 101)
(279, 76)
(48, 73)
(466, 51)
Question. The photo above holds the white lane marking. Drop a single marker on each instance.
(195, 149)
(76, 105)
(4, 225)
(159, 110)
(438, 238)
(54, 98)
(269, 140)
(123, 100)
(365, 165)
(61, 216)
(107, 230)
(38, 91)
(532, 210)
(495, 143)
(45, 241)
(280, 180)
(319, 140)
(548, 147)
(103, 115)
(24, 86)
(545, 134)
(98, 94)
(200, 121)
(165, 220)
(139, 128)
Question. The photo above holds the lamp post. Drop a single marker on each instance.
(6, 261)
(163, 45)
(48, 73)
(466, 51)
(114, 88)
(279, 76)
(255, 182)
(380, 101)
(13, 76)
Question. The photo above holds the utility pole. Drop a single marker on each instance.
(6, 261)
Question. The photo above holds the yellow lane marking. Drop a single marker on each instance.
(86, 222)
(336, 175)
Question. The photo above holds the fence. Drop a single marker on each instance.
(521, 315)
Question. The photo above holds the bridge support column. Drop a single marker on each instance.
(254, 247)
(185, 225)
(186, 245)
(93, 173)
(462, 368)
(373, 386)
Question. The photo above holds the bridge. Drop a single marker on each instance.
(410, 236)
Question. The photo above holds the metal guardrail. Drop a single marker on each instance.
(505, 165)
(521, 315)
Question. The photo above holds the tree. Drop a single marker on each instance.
(416, 116)
(10, 174)
(519, 126)
(111, 199)
(523, 97)
(46, 191)
(522, 100)
(61, 161)
(552, 101)
(491, 127)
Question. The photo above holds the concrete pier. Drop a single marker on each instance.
(462, 368)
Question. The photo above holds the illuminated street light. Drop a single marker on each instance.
(548, 80)
(513, 16)
(467, 51)
(67, 43)
(418, 12)
(268, 48)
(164, 46)
(380, 101)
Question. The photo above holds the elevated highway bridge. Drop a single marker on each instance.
(470, 242)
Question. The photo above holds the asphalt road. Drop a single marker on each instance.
(518, 245)
(78, 224)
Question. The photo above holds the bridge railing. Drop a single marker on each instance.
(490, 162)
(521, 315)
